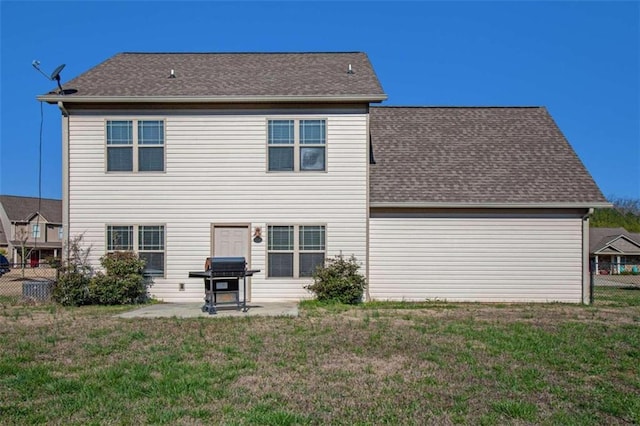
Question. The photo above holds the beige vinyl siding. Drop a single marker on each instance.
(215, 172)
(487, 259)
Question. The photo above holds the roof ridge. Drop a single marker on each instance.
(243, 53)
(461, 106)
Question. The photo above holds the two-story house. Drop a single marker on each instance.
(280, 158)
(32, 224)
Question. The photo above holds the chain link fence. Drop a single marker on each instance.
(616, 283)
(26, 281)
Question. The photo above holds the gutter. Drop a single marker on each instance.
(53, 98)
(502, 205)
(65, 181)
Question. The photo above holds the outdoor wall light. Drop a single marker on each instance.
(257, 234)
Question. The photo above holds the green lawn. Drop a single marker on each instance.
(381, 363)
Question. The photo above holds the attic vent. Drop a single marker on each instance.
(350, 70)
(172, 74)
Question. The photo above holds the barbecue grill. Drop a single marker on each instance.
(222, 277)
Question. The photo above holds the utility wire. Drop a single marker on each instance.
(37, 236)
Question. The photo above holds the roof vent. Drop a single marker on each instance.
(172, 74)
(350, 70)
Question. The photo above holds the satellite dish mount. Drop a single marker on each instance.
(55, 75)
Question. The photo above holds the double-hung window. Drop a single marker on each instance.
(295, 250)
(35, 231)
(297, 145)
(146, 240)
(135, 145)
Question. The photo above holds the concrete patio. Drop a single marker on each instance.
(193, 310)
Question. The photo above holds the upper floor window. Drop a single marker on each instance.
(135, 145)
(297, 145)
(146, 240)
(35, 231)
(60, 233)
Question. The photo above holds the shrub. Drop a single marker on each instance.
(74, 276)
(122, 263)
(72, 289)
(123, 282)
(338, 281)
(53, 262)
(112, 290)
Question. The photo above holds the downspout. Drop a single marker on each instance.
(65, 113)
(587, 281)
(367, 292)
(65, 180)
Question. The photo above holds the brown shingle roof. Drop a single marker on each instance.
(21, 209)
(478, 155)
(229, 75)
(599, 238)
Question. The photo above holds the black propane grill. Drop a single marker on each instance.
(222, 282)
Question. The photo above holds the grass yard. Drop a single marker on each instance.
(382, 363)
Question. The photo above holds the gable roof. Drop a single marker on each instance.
(21, 209)
(226, 77)
(475, 156)
(618, 239)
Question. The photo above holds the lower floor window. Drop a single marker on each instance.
(146, 240)
(295, 250)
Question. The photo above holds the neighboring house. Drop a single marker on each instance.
(614, 250)
(33, 224)
(279, 157)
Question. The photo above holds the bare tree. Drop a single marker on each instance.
(77, 260)
(627, 205)
(22, 235)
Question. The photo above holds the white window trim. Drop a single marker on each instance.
(35, 231)
(135, 241)
(296, 143)
(296, 249)
(135, 146)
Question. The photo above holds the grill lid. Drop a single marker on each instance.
(226, 264)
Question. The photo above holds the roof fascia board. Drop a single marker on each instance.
(30, 218)
(629, 240)
(210, 99)
(601, 250)
(417, 205)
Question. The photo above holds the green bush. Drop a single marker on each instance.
(123, 282)
(112, 290)
(122, 263)
(53, 262)
(338, 281)
(72, 289)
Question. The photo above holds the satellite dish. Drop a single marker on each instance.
(55, 75)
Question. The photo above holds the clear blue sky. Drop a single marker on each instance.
(579, 59)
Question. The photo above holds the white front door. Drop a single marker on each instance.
(232, 241)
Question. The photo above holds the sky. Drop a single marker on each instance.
(578, 59)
